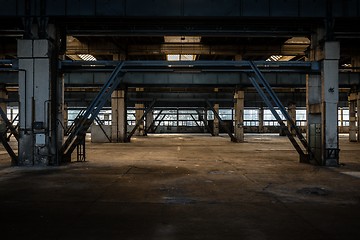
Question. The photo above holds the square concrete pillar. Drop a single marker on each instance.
(322, 103)
(216, 124)
(358, 116)
(148, 122)
(330, 99)
(118, 116)
(239, 116)
(38, 86)
(313, 105)
(292, 113)
(3, 105)
(139, 112)
(353, 98)
(261, 119)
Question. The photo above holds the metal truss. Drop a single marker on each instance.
(4, 139)
(272, 101)
(78, 133)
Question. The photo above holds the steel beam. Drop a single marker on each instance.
(153, 122)
(197, 124)
(162, 119)
(271, 100)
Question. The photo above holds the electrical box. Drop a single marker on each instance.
(40, 139)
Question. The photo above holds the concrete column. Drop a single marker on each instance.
(139, 112)
(66, 115)
(322, 101)
(355, 62)
(358, 117)
(206, 118)
(148, 121)
(261, 119)
(341, 120)
(61, 114)
(118, 116)
(330, 98)
(292, 114)
(313, 105)
(38, 71)
(216, 121)
(354, 107)
(3, 105)
(239, 116)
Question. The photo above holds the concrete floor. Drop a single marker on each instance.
(184, 187)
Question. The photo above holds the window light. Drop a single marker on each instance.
(180, 57)
(181, 40)
(87, 57)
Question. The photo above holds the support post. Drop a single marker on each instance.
(38, 93)
(352, 117)
(239, 116)
(216, 123)
(66, 116)
(3, 106)
(149, 119)
(139, 112)
(292, 114)
(330, 98)
(205, 120)
(59, 115)
(322, 101)
(261, 119)
(358, 117)
(119, 116)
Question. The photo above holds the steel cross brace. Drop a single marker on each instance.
(3, 138)
(205, 123)
(153, 122)
(15, 127)
(79, 132)
(304, 157)
(98, 120)
(9, 124)
(73, 124)
(197, 124)
(14, 157)
(233, 139)
(162, 119)
(147, 110)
